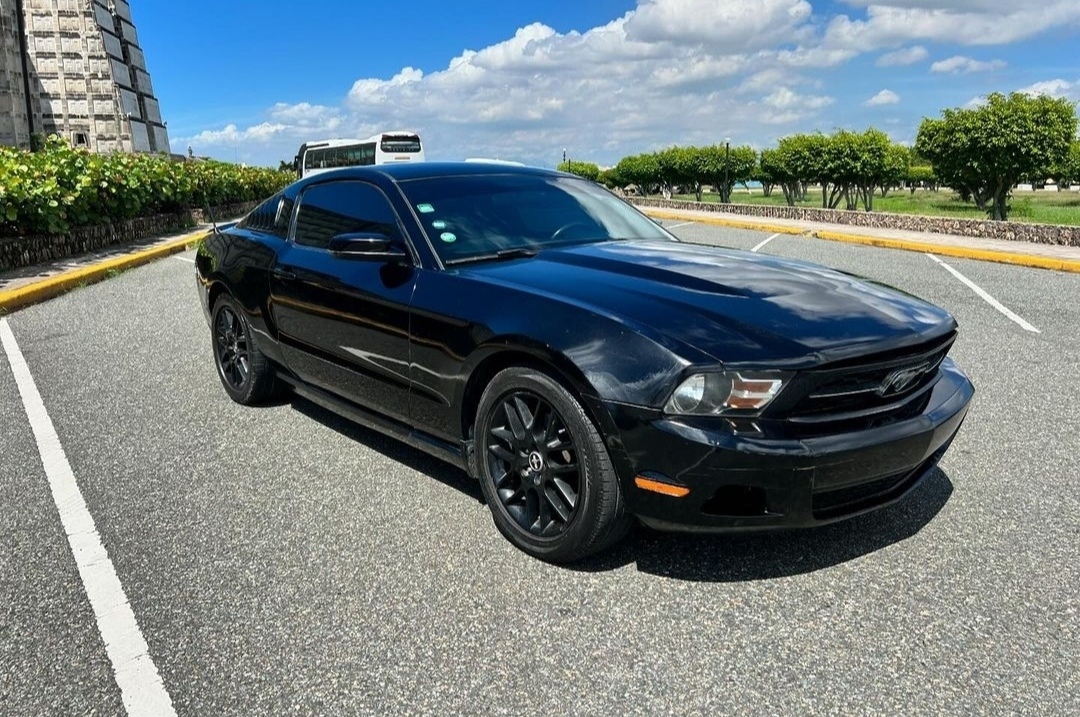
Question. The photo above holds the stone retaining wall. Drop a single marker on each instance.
(18, 252)
(1014, 231)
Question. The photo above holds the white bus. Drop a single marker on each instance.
(385, 148)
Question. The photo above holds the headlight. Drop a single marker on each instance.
(711, 394)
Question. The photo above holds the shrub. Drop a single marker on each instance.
(58, 188)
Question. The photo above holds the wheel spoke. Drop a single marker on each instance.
(518, 512)
(502, 453)
(543, 520)
(514, 420)
(503, 434)
(554, 500)
(511, 496)
(566, 491)
(527, 417)
(564, 468)
(500, 481)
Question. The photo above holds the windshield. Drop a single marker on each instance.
(484, 215)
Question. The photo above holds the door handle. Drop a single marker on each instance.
(283, 274)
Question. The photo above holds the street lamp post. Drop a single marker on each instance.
(564, 158)
(725, 195)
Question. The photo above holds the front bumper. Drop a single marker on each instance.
(740, 481)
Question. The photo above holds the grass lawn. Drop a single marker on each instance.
(1041, 207)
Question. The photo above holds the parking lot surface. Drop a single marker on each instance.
(280, 560)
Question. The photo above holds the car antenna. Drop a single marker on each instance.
(210, 213)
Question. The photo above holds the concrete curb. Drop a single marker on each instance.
(45, 289)
(1001, 257)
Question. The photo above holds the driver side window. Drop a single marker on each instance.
(342, 207)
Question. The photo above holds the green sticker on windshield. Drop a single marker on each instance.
(425, 208)
(438, 224)
(448, 237)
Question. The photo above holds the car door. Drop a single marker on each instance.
(343, 321)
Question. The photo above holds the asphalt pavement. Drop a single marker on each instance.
(280, 560)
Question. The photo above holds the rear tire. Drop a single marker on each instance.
(544, 469)
(245, 373)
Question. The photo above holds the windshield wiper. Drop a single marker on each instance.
(518, 253)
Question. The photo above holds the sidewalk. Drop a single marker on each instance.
(29, 285)
(1043, 256)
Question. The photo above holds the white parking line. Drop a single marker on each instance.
(184, 258)
(676, 226)
(141, 688)
(986, 297)
(762, 244)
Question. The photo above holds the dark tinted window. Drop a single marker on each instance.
(327, 210)
(283, 217)
(400, 144)
(261, 218)
(334, 157)
(270, 217)
(476, 215)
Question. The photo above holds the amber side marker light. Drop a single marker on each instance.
(655, 486)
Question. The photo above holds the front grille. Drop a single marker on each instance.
(876, 391)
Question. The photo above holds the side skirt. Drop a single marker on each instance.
(435, 447)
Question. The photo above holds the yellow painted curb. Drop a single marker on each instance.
(55, 285)
(1001, 257)
(733, 223)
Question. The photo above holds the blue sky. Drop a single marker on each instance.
(250, 80)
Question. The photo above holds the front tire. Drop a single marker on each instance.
(245, 373)
(544, 469)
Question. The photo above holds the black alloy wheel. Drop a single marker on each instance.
(544, 469)
(533, 461)
(231, 346)
(244, 371)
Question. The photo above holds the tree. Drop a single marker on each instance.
(983, 152)
(582, 169)
(640, 169)
(1066, 172)
(764, 177)
(690, 168)
(670, 169)
(921, 176)
(724, 168)
(877, 164)
(611, 179)
(779, 164)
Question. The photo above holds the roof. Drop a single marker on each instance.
(426, 170)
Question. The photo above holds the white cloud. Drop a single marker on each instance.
(231, 134)
(889, 23)
(785, 99)
(903, 57)
(885, 97)
(1053, 88)
(965, 65)
(729, 26)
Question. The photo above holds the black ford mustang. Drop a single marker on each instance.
(579, 361)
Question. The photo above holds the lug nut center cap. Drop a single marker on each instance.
(536, 462)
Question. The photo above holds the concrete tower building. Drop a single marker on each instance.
(75, 68)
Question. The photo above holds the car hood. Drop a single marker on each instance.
(735, 307)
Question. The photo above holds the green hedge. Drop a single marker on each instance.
(59, 188)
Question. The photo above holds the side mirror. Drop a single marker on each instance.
(367, 246)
